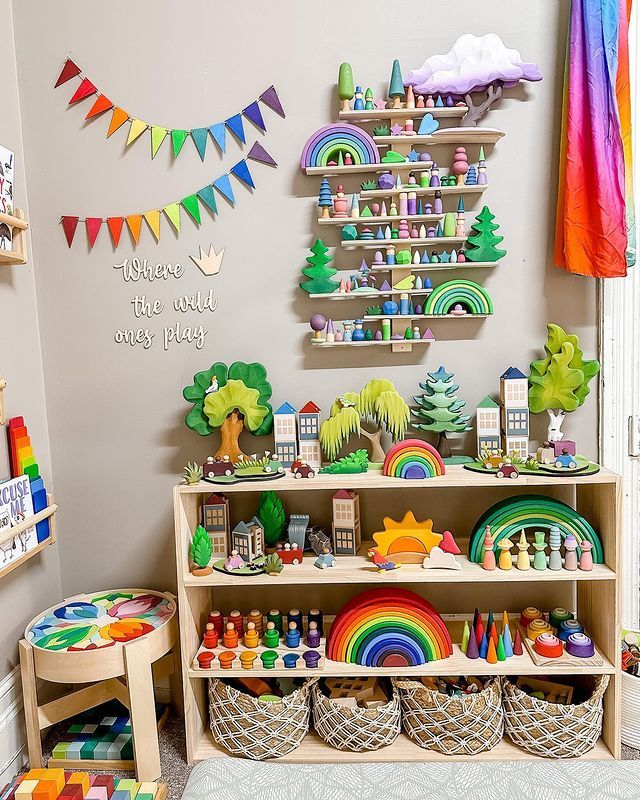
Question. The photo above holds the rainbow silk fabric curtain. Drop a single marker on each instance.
(595, 223)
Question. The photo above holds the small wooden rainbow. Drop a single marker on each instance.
(508, 517)
(413, 459)
(468, 294)
(388, 627)
(328, 142)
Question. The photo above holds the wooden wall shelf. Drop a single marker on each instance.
(46, 513)
(374, 244)
(459, 136)
(18, 254)
(441, 112)
(423, 190)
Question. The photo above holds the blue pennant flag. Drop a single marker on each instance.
(223, 185)
(208, 197)
(219, 133)
(236, 127)
(252, 112)
(241, 171)
(199, 136)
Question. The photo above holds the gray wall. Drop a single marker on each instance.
(115, 413)
(36, 584)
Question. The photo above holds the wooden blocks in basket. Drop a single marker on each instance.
(357, 692)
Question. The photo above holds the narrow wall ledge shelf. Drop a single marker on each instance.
(373, 219)
(424, 190)
(374, 244)
(438, 112)
(461, 135)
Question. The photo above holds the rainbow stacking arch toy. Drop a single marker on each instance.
(327, 142)
(388, 628)
(467, 293)
(508, 517)
(413, 458)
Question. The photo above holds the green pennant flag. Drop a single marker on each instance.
(157, 137)
(177, 140)
(208, 197)
(173, 215)
(190, 204)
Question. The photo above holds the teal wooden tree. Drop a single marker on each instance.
(439, 409)
(482, 243)
(396, 86)
(325, 198)
(319, 272)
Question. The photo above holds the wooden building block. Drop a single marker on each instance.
(83, 779)
(45, 790)
(36, 775)
(25, 789)
(72, 791)
(104, 780)
(56, 775)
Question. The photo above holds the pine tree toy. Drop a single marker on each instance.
(325, 198)
(482, 243)
(439, 408)
(319, 272)
(396, 85)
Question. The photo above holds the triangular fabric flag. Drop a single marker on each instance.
(69, 225)
(241, 171)
(173, 215)
(177, 140)
(270, 98)
(208, 197)
(158, 136)
(190, 204)
(199, 136)
(138, 127)
(70, 70)
(85, 89)
(118, 118)
(219, 133)
(223, 185)
(134, 223)
(258, 153)
(101, 105)
(115, 229)
(153, 221)
(93, 225)
(236, 127)
(252, 112)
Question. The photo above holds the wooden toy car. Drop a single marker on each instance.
(274, 466)
(545, 455)
(494, 461)
(213, 468)
(565, 461)
(289, 553)
(507, 470)
(300, 469)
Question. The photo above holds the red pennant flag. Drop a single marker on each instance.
(85, 89)
(115, 229)
(92, 225)
(69, 225)
(101, 105)
(70, 70)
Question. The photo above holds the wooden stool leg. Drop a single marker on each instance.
(175, 682)
(143, 710)
(30, 699)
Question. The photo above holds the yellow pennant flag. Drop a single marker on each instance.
(153, 221)
(137, 127)
(173, 215)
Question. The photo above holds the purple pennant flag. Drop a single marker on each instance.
(258, 153)
(270, 98)
(252, 112)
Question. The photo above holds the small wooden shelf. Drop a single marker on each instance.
(460, 135)
(423, 190)
(378, 342)
(371, 220)
(18, 255)
(439, 112)
(46, 513)
(369, 295)
(433, 267)
(374, 244)
(374, 317)
(379, 166)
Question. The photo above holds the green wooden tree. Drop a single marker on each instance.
(396, 85)
(319, 272)
(271, 514)
(482, 244)
(440, 407)
(201, 549)
(345, 85)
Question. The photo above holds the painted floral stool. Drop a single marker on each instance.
(118, 641)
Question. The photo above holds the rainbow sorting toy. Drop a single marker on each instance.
(413, 459)
(458, 297)
(388, 628)
(23, 462)
(508, 517)
(333, 143)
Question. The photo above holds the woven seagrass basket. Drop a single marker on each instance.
(258, 729)
(357, 729)
(552, 730)
(466, 724)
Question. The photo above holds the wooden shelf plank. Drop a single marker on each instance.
(14, 221)
(375, 244)
(378, 166)
(380, 343)
(368, 295)
(30, 554)
(441, 112)
(18, 255)
(423, 190)
(463, 265)
(372, 220)
(12, 257)
(28, 523)
(460, 135)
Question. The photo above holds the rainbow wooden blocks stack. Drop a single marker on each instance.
(57, 784)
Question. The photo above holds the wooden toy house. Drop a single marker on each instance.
(248, 539)
(514, 400)
(487, 425)
(215, 519)
(346, 523)
(284, 434)
(308, 435)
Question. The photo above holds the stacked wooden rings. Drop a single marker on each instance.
(568, 627)
(580, 645)
(548, 646)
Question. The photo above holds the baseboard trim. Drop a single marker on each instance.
(13, 738)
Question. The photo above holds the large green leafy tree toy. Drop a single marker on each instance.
(230, 398)
(482, 244)
(439, 409)
(559, 382)
(319, 272)
(271, 514)
(200, 551)
(379, 405)
(345, 85)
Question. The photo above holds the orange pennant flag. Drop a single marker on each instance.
(118, 118)
(115, 229)
(134, 223)
(101, 105)
(153, 221)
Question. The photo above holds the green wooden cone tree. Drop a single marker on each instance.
(438, 409)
